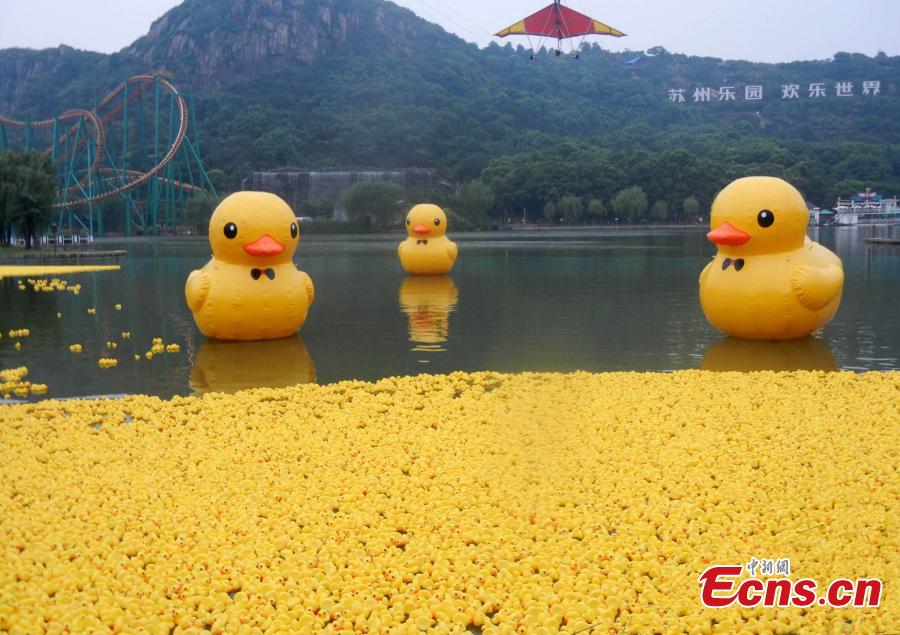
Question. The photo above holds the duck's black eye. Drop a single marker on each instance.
(294, 230)
(230, 230)
(408, 221)
(437, 222)
(765, 218)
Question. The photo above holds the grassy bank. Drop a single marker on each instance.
(537, 503)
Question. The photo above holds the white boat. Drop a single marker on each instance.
(866, 208)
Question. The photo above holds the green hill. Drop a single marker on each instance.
(329, 83)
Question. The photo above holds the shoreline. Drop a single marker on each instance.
(455, 232)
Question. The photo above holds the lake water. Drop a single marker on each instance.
(596, 300)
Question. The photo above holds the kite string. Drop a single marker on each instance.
(477, 35)
(479, 28)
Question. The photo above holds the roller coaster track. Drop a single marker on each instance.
(75, 113)
(114, 173)
(98, 119)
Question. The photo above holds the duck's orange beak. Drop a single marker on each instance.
(265, 245)
(421, 230)
(728, 234)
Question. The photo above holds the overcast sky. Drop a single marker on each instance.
(759, 30)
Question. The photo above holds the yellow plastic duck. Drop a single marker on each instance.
(250, 289)
(233, 366)
(427, 251)
(768, 281)
(428, 301)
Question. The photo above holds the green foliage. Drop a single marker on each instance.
(691, 208)
(217, 177)
(659, 211)
(596, 209)
(437, 196)
(550, 212)
(374, 204)
(320, 210)
(455, 220)
(27, 193)
(198, 209)
(473, 201)
(329, 226)
(570, 208)
(846, 188)
(630, 204)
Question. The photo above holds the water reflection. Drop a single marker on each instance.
(528, 301)
(428, 301)
(231, 366)
(734, 354)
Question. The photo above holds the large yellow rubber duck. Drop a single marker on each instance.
(250, 289)
(428, 301)
(768, 280)
(427, 251)
(232, 366)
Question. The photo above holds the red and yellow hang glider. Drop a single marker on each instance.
(560, 22)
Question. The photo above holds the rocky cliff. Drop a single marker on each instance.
(206, 43)
(211, 39)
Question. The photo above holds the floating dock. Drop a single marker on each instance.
(45, 256)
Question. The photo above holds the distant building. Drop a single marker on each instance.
(866, 208)
(299, 186)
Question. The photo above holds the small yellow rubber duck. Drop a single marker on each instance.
(427, 251)
(768, 281)
(250, 289)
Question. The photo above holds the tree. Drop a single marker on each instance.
(27, 192)
(691, 208)
(846, 188)
(322, 209)
(198, 209)
(474, 200)
(373, 203)
(659, 211)
(550, 212)
(570, 208)
(630, 204)
(217, 177)
(596, 209)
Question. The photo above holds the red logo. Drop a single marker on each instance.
(720, 586)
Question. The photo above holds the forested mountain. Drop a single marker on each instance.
(333, 83)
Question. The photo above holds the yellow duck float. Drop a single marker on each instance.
(427, 251)
(250, 289)
(768, 281)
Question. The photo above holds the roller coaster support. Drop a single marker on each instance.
(144, 186)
